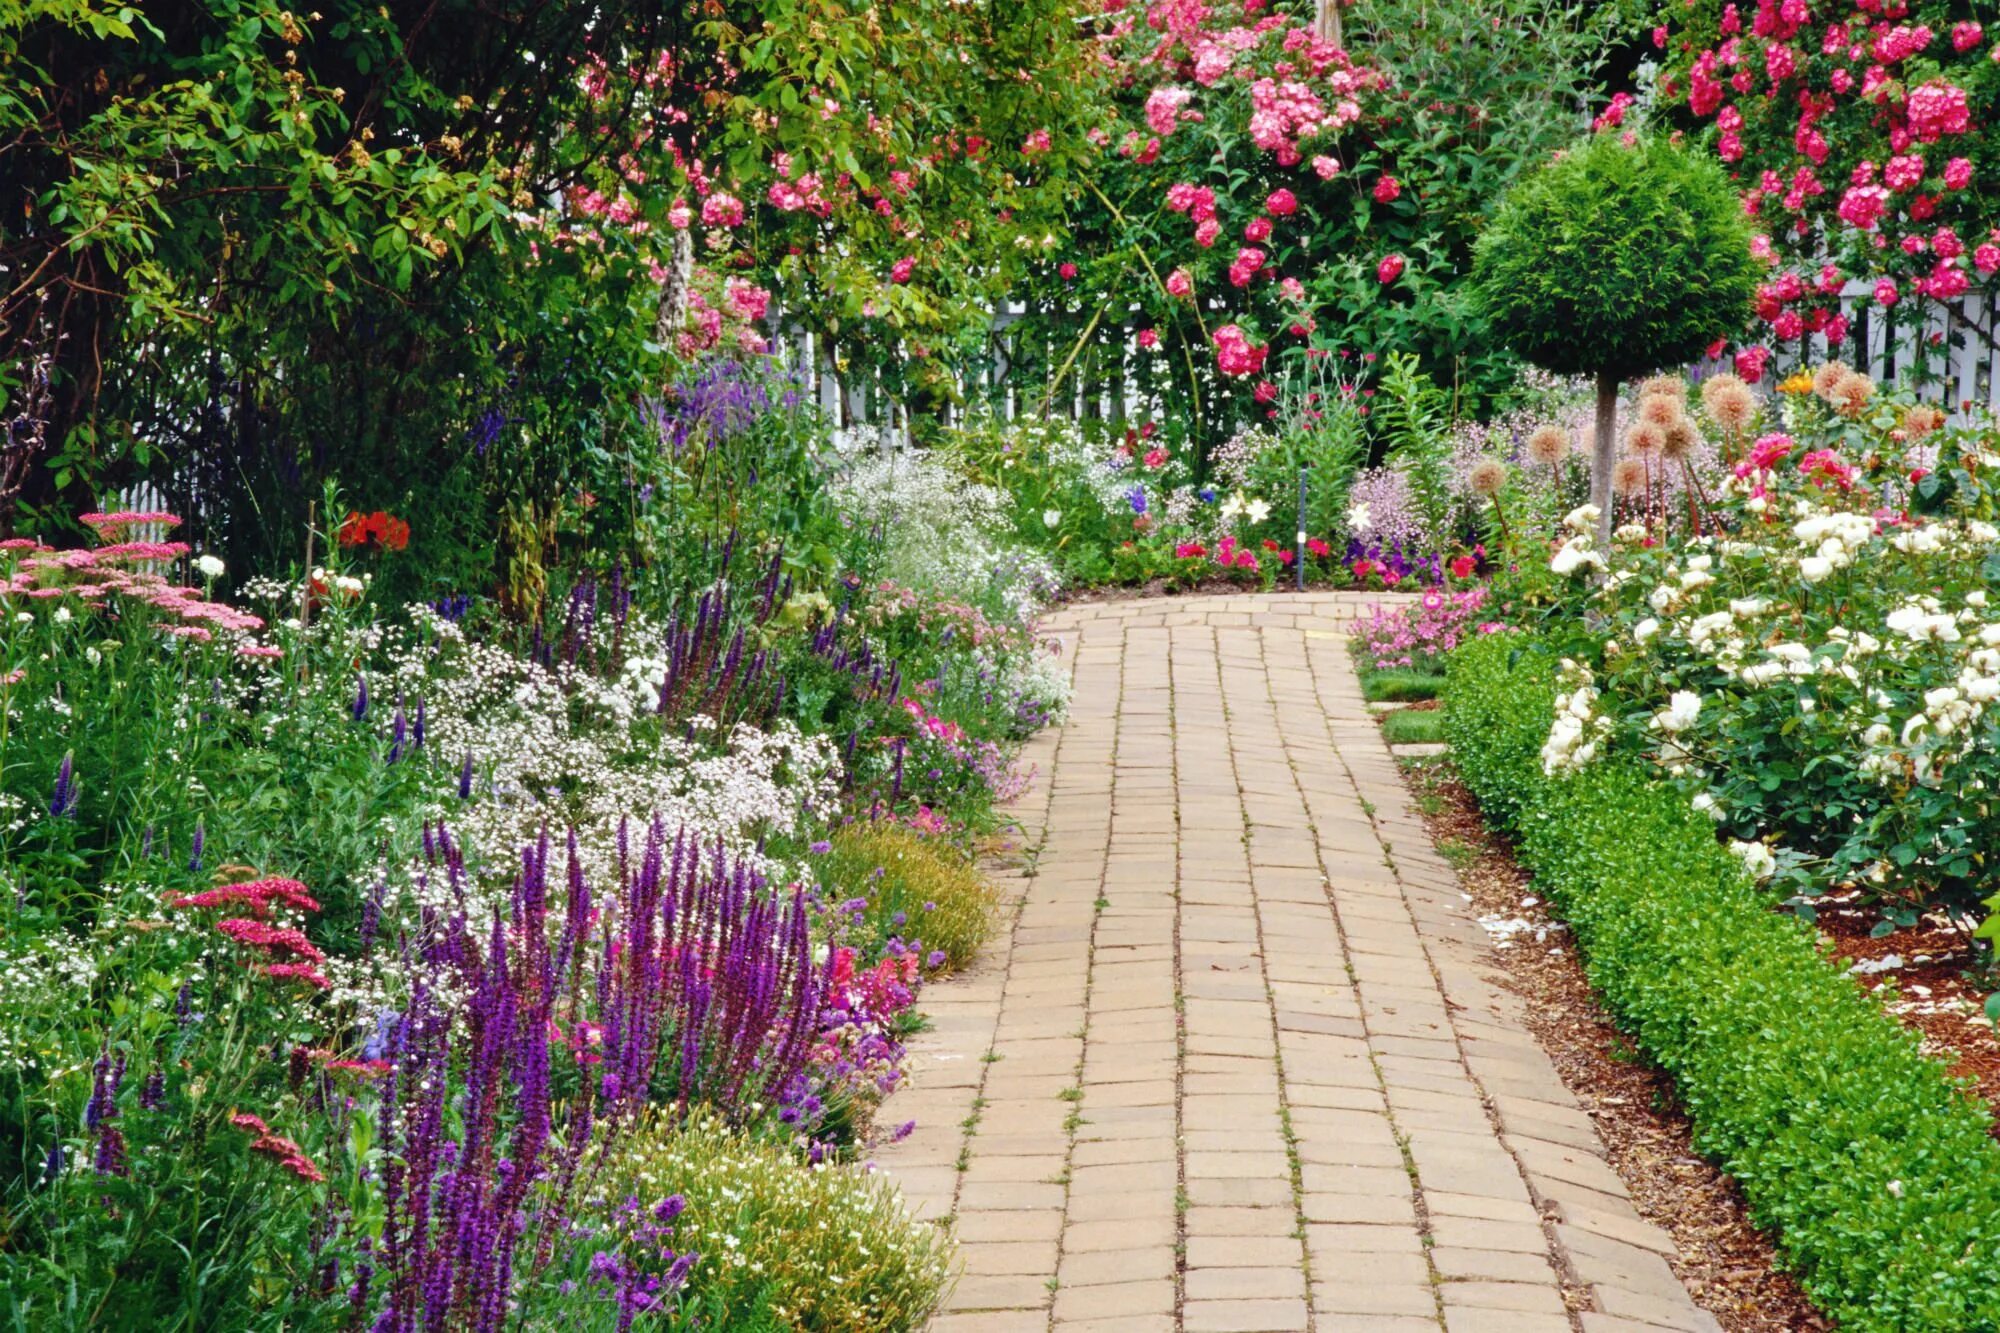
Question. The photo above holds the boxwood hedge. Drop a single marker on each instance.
(1876, 1171)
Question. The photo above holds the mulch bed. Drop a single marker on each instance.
(1925, 978)
(1728, 1265)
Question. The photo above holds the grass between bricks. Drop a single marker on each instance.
(1398, 686)
(1876, 1170)
(1413, 728)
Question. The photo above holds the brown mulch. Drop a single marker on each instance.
(1727, 1265)
(1927, 979)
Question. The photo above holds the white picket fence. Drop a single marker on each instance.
(1948, 354)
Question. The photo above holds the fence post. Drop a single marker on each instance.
(1299, 550)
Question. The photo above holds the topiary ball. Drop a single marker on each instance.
(1616, 259)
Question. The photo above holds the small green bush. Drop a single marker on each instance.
(919, 887)
(1876, 1171)
(1617, 259)
(785, 1246)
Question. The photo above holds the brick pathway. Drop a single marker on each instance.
(1240, 1063)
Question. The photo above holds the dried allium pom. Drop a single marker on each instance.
(1921, 420)
(1549, 445)
(1629, 476)
(1644, 439)
(1730, 403)
(1487, 477)
(1828, 375)
(1660, 410)
(1851, 393)
(1664, 386)
(1679, 440)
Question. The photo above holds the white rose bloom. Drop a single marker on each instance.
(1977, 597)
(1815, 568)
(1582, 518)
(1756, 858)
(1680, 713)
(1645, 630)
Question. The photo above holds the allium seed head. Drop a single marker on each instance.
(1629, 476)
(1661, 410)
(1488, 476)
(1851, 393)
(1549, 445)
(1730, 403)
(1679, 439)
(1644, 439)
(1827, 376)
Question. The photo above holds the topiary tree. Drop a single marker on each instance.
(1618, 258)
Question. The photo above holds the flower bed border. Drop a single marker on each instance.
(1875, 1169)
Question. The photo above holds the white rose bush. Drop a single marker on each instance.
(1821, 663)
(1787, 695)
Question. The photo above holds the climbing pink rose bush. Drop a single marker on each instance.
(1857, 133)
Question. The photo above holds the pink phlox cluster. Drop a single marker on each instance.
(1419, 635)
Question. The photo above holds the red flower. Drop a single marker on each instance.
(1390, 269)
(381, 529)
(1462, 567)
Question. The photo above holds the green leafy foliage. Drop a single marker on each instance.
(1616, 259)
(1878, 1175)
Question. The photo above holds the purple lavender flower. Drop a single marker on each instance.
(62, 802)
(360, 708)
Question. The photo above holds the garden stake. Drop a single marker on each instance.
(1299, 549)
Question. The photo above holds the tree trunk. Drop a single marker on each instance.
(1604, 456)
(673, 308)
(1326, 21)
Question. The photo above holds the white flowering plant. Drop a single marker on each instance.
(1817, 666)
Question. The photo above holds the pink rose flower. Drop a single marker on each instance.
(1389, 269)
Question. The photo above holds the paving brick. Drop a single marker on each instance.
(1209, 788)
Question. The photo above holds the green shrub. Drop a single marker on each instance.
(1875, 1170)
(919, 887)
(1614, 260)
(785, 1247)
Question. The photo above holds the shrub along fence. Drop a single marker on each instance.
(1877, 1172)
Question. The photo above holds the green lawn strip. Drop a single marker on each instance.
(1398, 686)
(1405, 727)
